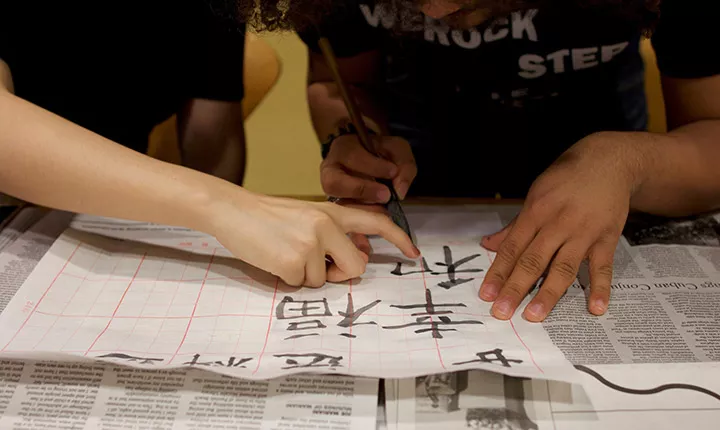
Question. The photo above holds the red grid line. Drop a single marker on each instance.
(465, 314)
(437, 345)
(118, 305)
(526, 347)
(197, 299)
(42, 297)
(267, 334)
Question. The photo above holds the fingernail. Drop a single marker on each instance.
(502, 309)
(417, 251)
(402, 189)
(489, 292)
(383, 195)
(599, 306)
(536, 311)
(393, 171)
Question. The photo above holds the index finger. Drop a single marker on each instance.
(358, 221)
(517, 240)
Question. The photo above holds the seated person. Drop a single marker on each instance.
(541, 100)
(83, 83)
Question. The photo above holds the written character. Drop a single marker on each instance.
(540, 100)
(83, 84)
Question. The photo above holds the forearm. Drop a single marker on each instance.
(681, 170)
(52, 162)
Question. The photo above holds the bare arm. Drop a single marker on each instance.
(683, 174)
(50, 161)
(212, 138)
(47, 160)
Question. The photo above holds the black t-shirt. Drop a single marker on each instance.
(488, 109)
(119, 68)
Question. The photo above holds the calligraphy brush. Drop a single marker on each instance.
(393, 205)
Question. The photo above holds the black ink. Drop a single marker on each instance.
(232, 362)
(317, 360)
(430, 306)
(298, 336)
(491, 357)
(425, 269)
(297, 325)
(130, 358)
(425, 318)
(351, 315)
(304, 310)
(648, 391)
(451, 269)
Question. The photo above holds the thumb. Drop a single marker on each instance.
(493, 241)
(400, 153)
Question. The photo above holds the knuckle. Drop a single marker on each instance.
(514, 290)
(565, 269)
(319, 221)
(509, 252)
(531, 262)
(604, 270)
(552, 294)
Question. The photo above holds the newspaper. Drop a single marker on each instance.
(625, 397)
(65, 395)
(651, 362)
(171, 298)
(665, 302)
(29, 236)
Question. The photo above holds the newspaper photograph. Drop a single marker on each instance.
(627, 397)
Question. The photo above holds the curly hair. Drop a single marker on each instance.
(272, 15)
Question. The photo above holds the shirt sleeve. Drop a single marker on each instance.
(216, 57)
(686, 40)
(347, 29)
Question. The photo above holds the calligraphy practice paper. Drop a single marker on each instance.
(160, 297)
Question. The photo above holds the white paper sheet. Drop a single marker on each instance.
(152, 306)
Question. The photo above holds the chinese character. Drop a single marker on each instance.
(304, 309)
(130, 358)
(232, 362)
(451, 269)
(491, 357)
(425, 318)
(317, 360)
(351, 315)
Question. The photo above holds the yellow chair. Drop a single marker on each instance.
(656, 105)
(261, 71)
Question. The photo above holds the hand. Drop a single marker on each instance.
(575, 210)
(291, 238)
(349, 170)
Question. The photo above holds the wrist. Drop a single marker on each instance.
(635, 155)
(207, 199)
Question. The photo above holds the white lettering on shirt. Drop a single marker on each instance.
(519, 24)
(458, 36)
(492, 35)
(584, 58)
(378, 14)
(609, 52)
(435, 28)
(523, 23)
(533, 65)
(558, 59)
